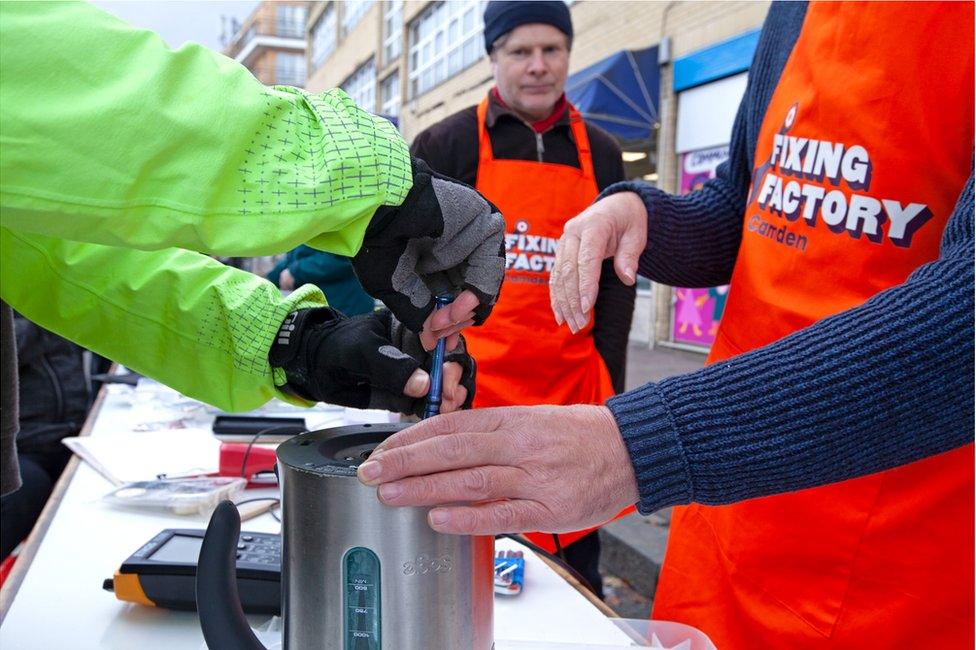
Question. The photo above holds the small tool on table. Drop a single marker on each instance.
(437, 366)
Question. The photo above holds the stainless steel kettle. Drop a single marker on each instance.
(356, 575)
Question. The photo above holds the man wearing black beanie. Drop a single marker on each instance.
(527, 149)
(502, 16)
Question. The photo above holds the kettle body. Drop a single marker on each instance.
(359, 575)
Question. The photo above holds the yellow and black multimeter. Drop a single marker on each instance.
(162, 573)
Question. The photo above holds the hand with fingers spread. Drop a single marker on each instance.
(444, 238)
(615, 226)
(367, 361)
(505, 470)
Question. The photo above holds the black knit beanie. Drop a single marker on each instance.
(502, 16)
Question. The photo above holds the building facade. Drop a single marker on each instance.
(271, 42)
(418, 62)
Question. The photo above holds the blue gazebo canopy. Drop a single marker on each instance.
(620, 93)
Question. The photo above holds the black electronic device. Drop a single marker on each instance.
(256, 428)
(162, 573)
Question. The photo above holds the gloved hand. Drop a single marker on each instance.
(443, 238)
(366, 361)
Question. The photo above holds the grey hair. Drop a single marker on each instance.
(499, 43)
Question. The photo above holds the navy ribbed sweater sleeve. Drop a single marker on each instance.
(881, 385)
(693, 240)
(874, 387)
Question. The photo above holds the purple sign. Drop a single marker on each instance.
(697, 312)
(699, 166)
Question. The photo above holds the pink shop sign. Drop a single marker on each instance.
(696, 313)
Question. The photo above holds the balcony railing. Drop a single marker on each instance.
(268, 27)
(275, 75)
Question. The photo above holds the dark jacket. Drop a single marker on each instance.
(451, 147)
(9, 472)
(55, 388)
(331, 273)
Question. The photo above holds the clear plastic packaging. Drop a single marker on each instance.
(663, 635)
(180, 496)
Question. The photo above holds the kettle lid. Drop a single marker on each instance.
(337, 451)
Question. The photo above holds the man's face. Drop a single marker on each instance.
(530, 69)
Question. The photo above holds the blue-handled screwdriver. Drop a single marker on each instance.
(437, 366)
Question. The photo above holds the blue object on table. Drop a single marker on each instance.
(509, 573)
(437, 366)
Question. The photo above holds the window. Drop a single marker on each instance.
(445, 39)
(392, 29)
(290, 21)
(289, 69)
(352, 12)
(361, 86)
(390, 95)
(323, 36)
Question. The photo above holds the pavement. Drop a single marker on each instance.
(633, 547)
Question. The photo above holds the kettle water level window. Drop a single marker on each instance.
(444, 39)
(361, 599)
(323, 36)
(361, 86)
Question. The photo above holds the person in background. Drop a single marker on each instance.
(116, 184)
(826, 450)
(56, 391)
(528, 150)
(331, 273)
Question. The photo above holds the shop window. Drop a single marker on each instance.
(323, 36)
(444, 39)
(352, 12)
(361, 86)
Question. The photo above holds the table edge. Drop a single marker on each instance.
(26, 556)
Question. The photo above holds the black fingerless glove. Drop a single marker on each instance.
(443, 238)
(360, 361)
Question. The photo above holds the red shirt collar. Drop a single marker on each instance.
(542, 125)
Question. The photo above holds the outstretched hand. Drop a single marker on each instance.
(615, 226)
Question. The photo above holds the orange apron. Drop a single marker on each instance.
(862, 154)
(523, 356)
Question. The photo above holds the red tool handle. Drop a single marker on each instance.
(259, 459)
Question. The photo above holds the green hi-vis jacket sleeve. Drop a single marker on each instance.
(111, 142)
(109, 136)
(177, 316)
